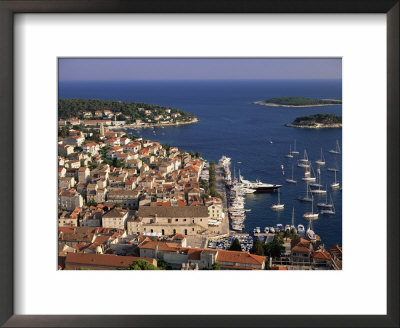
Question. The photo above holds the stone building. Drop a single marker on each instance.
(69, 199)
(127, 198)
(116, 218)
(169, 220)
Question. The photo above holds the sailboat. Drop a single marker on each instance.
(295, 152)
(326, 204)
(303, 162)
(337, 150)
(278, 206)
(305, 198)
(310, 233)
(321, 161)
(312, 215)
(291, 180)
(330, 210)
(335, 185)
(290, 155)
(292, 227)
(319, 190)
(307, 175)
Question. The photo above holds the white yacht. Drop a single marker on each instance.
(258, 186)
(326, 204)
(311, 215)
(321, 161)
(301, 230)
(305, 198)
(290, 155)
(335, 185)
(295, 152)
(336, 151)
(292, 179)
(329, 210)
(278, 206)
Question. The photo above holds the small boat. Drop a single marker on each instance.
(295, 152)
(279, 227)
(278, 206)
(305, 157)
(335, 185)
(311, 235)
(330, 209)
(270, 141)
(336, 151)
(305, 198)
(318, 190)
(266, 230)
(258, 230)
(326, 204)
(287, 227)
(301, 230)
(272, 229)
(321, 161)
(291, 180)
(290, 155)
(307, 175)
(311, 215)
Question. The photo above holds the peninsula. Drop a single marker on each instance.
(118, 114)
(317, 121)
(297, 102)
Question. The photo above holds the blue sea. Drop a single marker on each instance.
(230, 124)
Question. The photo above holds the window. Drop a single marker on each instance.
(162, 232)
(186, 232)
(192, 229)
(174, 231)
(176, 220)
(151, 230)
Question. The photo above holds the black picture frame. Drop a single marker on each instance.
(10, 7)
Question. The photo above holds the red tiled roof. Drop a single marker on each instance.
(104, 260)
(322, 255)
(239, 257)
(301, 249)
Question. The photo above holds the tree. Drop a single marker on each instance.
(91, 202)
(197, 154)
(162, 265)
(235, 246)
(257, 248)
(141, 265)
(275, 247)
(216, 266)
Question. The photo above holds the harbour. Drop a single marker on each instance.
(254, 137)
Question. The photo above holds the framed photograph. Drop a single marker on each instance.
(232, 154)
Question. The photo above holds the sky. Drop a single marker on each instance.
(120, 69)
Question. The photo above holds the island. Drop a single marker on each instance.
(118, 114)
(317, 121)
(298, 102)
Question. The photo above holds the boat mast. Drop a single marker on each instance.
(293, 217)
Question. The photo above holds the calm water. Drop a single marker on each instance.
(231, 125)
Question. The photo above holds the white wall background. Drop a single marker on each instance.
(360, 39)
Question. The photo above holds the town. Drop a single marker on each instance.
(125, 202)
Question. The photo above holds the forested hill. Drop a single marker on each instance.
(299, 101)
(325, 119)
(68, 108)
